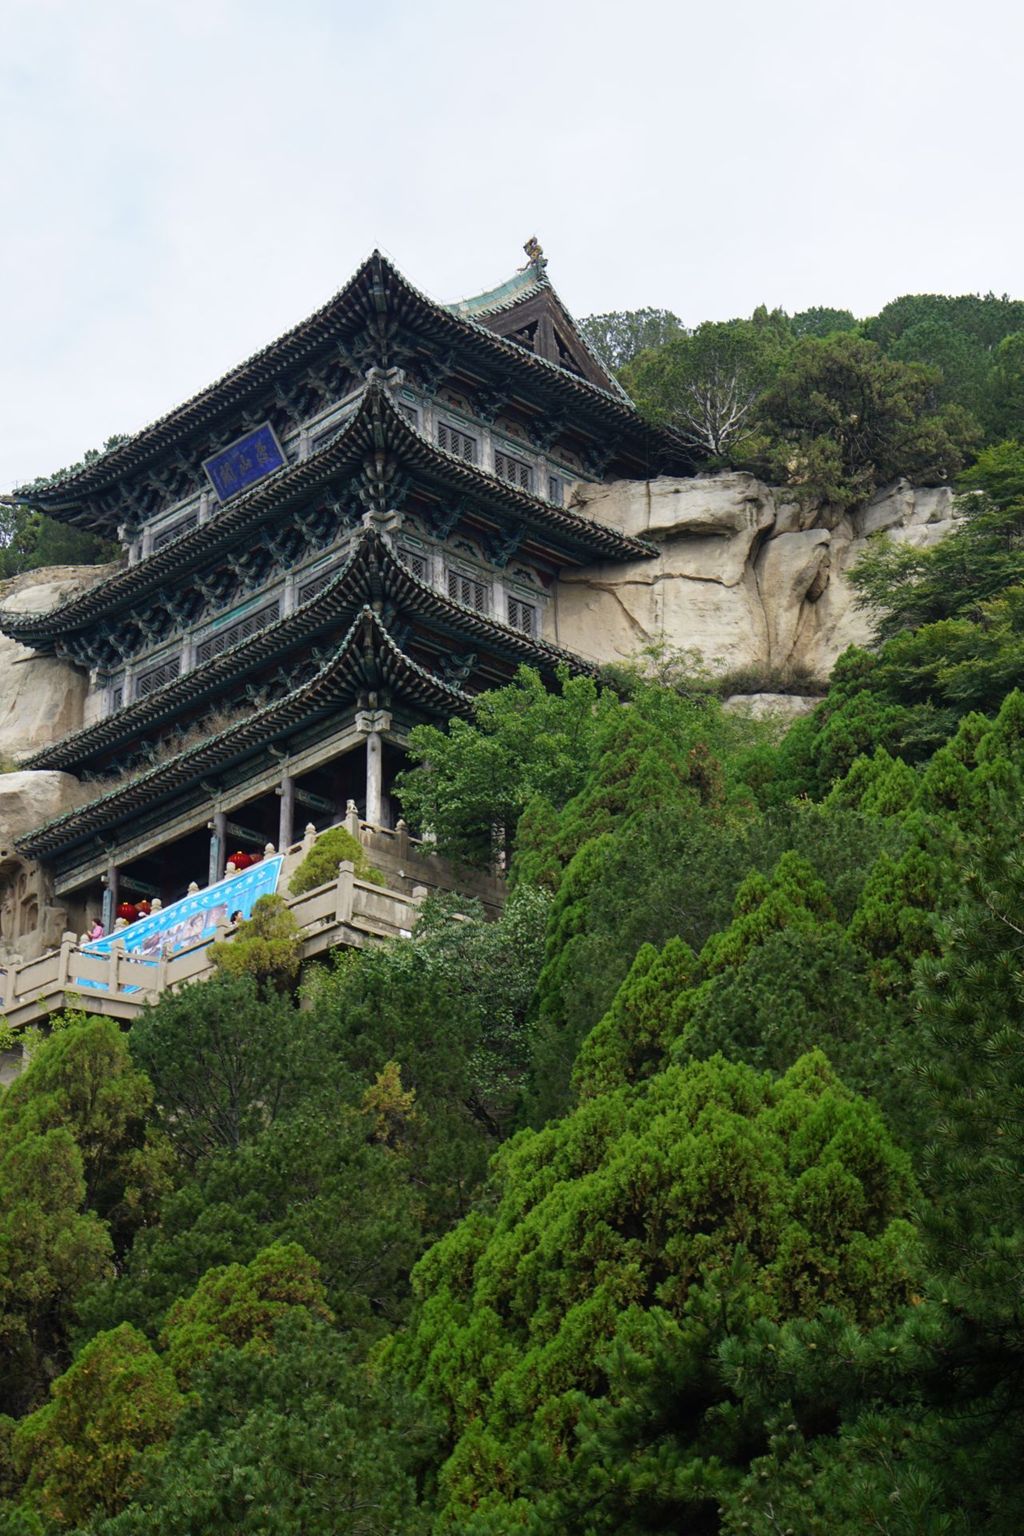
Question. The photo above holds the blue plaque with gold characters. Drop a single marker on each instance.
(244, 461)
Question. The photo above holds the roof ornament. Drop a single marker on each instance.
(535, 252)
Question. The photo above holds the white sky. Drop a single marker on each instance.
(182, 180)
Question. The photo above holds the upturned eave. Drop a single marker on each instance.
(376, 291)
(377, 426)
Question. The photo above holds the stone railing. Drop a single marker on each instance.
(345, 912)
(407, 862)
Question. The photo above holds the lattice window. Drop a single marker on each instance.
(116, 698)
(157, 677)
(522, 616)
(556, 490)
(175, 530)
(514, 470)
(233, 634)
(416, 561)
(468, 590)
(410, 413)
(315, 584)
(453, 441)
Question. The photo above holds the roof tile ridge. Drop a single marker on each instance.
(185, 542)
(166, 693)
(148, 775)
(547, 509)
(504, 631)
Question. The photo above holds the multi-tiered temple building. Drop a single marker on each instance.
(357, 529)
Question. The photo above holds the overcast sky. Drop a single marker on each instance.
(181, 181)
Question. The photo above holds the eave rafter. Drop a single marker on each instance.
(365, 669)
(370, 465)
(372, 576)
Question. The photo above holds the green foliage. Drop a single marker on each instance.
(1004, 411)
(821, 321)
(89, 1448)
(267, 947)
(30, 540)
(639, 853)
(984, 319)
(82, 1078)
(961, 362)
(318, 1177)
(320, 864)
(299, 1441)
(241, 1305)
(224, 1061)
(707, 384)
(971, 1062)
(568, 1332)
(977, 563)
(691, 1297)
(617, 337)
(450, 1007)
(51, 1248)
(845, 419)
(80, 1171)
(632, 1039)
(474, 781)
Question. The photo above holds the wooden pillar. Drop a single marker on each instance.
(110, 897)
(218, 846)
(374, 778)
(286, 824)
(373, 723)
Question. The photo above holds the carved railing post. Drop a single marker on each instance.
(159, 977)
(116, 956)
(67, 945)
(345, 892)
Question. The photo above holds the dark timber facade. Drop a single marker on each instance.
(258, 661)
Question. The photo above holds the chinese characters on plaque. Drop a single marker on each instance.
(244, 461)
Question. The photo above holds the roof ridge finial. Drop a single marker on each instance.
(535, 252)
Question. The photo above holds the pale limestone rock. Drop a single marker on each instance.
(792, 569)
(698, 592)
(933, 504)
(716, 505)
(29, 923)
(741, 574)
(784, 707)
(28, 799)
(41, 699)
(891, 507)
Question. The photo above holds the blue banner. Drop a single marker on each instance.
(244, 461)
(192, 920)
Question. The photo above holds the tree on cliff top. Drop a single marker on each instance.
(620, 334)
(844, 419)
(706, 384)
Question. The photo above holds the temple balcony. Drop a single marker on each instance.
(345, 912)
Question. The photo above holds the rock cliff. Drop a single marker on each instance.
(744, 575)
(41, 699)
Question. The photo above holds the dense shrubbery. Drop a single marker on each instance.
(686, 1195)
(320, 864)
(830, 406)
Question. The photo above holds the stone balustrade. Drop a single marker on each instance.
(346, 912)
